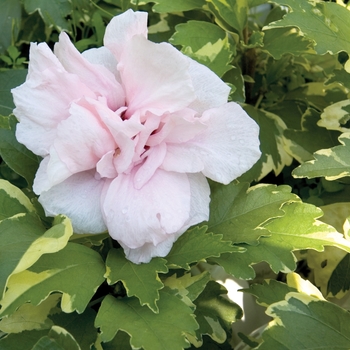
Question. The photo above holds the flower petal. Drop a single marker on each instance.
(210, 90)
(102, 56)
(82, 139)
(154, 159)
(96, 76)
(199, 212)
(225, 150)
(43, 101)
(51, 172)
(148, 215)
(166, 85)
(122, 28)
(78, 197)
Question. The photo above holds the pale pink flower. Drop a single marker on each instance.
(128, 134)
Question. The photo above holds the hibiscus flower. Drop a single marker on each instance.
(128, 134)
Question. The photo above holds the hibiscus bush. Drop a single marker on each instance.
(165, 162)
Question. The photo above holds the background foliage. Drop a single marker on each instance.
(287, 63)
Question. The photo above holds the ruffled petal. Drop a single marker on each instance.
(78, 197)
(148, 215)
(154, 159)
(43, 101)
(225, 150)
(210, 90)
(51, 172)
(102, 56)
(199, 211)
(165, 84)
(101, 80)
(122, 28)
(82, 139)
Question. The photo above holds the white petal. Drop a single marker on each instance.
(104, 57)
(155, 77)
(43, 101)
(78, 197)
(122, 28)
(210, 90)
(51, 172)
(149, 251)
(148, 215)
(101, 80)
(199, 212)
(82, 139)
(225, 150)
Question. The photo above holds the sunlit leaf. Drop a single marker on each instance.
(188, 287)
(323, 22)
(281, 41)
(206, 43)
(332, 163)
(329, 323)
(29, 317)
(195, 245)
(234, 12)
(140, 280)
(272, 144)
(24, 240)
(76, 271)
(238, 213)
(303, 143)
(148, 330)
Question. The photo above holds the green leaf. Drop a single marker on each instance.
(16, 155)
(206, 43)
(76, 271)
(298, 229)
(30, 317)
(281, 41)
(13, 201)
(177, 6)
(233, 12)
(329, 323)
(336, 116)
(195, 245)
(303, 143)
(340, 278)
(53, 12)
(10, 18)
(120, 341)
(24, 241)
(215, 313)
(9, 79)
(148, 330)
(326, 266)
(332, 163)
(80, 326)
(238, 213)
(323, 22)
(269, 292)
(21, 341)
(140, 280)
(57, 339)
(188, 287)
(272, 142)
